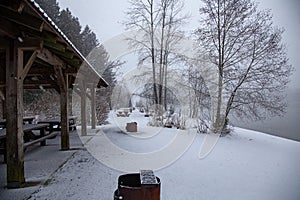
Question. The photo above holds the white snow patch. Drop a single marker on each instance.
(244, 165)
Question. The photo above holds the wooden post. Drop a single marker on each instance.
(93, 106)
(3, 102)
(14, 118)
(64, 114)
(83, 108)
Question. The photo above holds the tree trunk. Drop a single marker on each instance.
(153, 53)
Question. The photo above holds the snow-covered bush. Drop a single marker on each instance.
(202, 126)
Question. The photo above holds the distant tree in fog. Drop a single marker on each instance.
(251, 60)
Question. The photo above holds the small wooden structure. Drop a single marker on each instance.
(34, 53)
(131, 127)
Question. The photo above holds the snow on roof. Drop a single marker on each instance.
(51, 22)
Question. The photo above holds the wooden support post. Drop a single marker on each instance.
(64, 114)
(93, 107)
(3, 110)
(3, 103)
(83, 108)
(70, 102)
(14, 118)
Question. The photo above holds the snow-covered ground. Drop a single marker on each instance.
(244, 165)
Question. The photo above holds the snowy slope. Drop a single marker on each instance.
(245, 165)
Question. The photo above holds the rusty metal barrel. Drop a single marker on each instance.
(138, 186)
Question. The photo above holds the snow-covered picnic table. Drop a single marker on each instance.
(30, 137)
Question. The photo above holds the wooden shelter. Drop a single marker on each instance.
(34, 53)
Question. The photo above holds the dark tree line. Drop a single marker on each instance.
(83, 38)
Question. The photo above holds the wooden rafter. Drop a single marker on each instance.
(56, 46)
(8, 28)
(24, 19)
(49, 57)
(28, 65)
(31, 44)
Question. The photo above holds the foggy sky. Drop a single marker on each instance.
(105, 17)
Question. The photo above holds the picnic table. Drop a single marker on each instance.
(55, 123)
(26, 120)
(27, 129)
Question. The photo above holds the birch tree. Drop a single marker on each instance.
(159, 23)
(251, 60)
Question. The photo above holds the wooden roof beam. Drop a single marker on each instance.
(4, 43)
(22, 19)
(17, 5)
(73, 62)
(56, 46)
(49, 57)
(31, 44)
(46, 81)
(67, 54)
(44, 35)
(28, 65)
(8, 28)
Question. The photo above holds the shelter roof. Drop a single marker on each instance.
(28, 25)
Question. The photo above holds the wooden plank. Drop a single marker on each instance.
(64, 114)
(14, 121)
(31, 44)
(53, 134)
(28, 65)
(68, 55)
(31, 127)
(93, 107)
(8, 29)
(43, 82)
(61, 79)
(22, 19)
(49, 37)
(75, 62)
(16, 5)
(49, 57)
(56, 46)
(83, 108)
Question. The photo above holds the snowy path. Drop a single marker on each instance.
(245, 165)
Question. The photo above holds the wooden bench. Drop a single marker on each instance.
(27, 129)
(55, 123)
(42, 140)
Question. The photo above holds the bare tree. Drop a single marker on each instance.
(159, 23)
(250, 58)
(199, 97)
